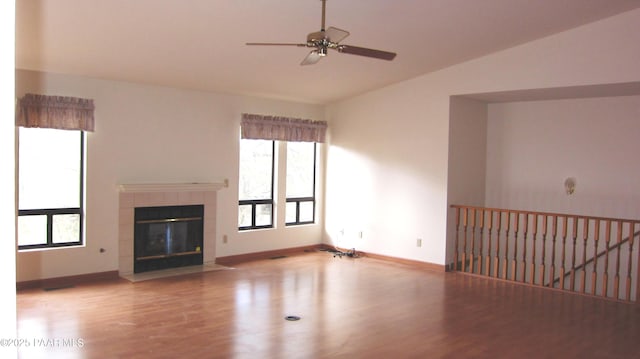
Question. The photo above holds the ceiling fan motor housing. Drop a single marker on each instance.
(320, 41)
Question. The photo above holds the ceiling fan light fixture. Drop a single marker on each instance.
(313, 57)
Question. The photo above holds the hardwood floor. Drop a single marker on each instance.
(349, 308)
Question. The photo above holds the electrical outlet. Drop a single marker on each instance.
(419, 242)
(360, 234)
(224, 239)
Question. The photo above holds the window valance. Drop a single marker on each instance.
(261, 127)
(59, 112)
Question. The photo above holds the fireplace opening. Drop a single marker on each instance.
(167, 237)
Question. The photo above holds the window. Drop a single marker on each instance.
(256, 184)
(50, 181)
(301, 175)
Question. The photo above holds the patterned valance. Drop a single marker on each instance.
(261, 127)
(59, 112)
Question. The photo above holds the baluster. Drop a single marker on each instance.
(638, 278)
(523, 265)
(616, 279)
(564, 245)
(629, 262)
(514, 262)
(465, 219)
(506, 247)
(532, 269)
(456, 249)
(480, 255)
(496, 262)
(574, 236)
(605, 275)
(544, 249)
(473, 239)
(585, 235)
(488, 259)
(594, 273)
(554, 233)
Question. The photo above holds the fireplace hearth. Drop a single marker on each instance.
(168, 237)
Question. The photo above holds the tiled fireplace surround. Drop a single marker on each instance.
(151, 195)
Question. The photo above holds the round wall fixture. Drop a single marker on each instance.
(570, 185)
(292, 318)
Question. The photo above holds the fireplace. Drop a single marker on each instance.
(133, 196)
(167, 237)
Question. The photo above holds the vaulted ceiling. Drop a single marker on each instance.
(200, 44)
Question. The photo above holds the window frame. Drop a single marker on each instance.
(51, 212)
(312, 199)
(255, 202)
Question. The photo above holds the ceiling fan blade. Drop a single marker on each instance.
(313, 57)
(274, 44)
(336, 35)
(361, 51)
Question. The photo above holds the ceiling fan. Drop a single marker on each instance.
(330, 38)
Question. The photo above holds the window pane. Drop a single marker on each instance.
(32, 230)
(263, 215)
(244, 216)
(66, 228)
(256, 166)
(49, 168)
(300, 169)
(306, 211)
(290, 212)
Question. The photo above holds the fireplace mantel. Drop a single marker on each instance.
(172, 187)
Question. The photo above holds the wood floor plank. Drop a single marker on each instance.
(349, 308)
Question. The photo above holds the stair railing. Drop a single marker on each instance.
(590, 255)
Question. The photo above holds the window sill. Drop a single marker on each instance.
(293, 225)
(243, 230)
(41, 249)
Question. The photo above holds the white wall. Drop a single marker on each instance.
(147, 134)
(388, 160)
(467, 152)
(7, 177)
(532, 147)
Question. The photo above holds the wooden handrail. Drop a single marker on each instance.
(520, 211)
